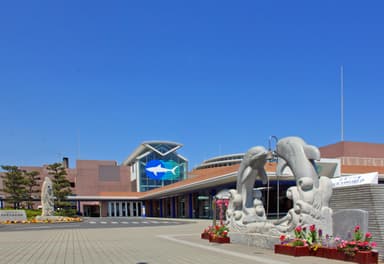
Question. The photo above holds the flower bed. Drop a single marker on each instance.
(358, 250)
(60, 219)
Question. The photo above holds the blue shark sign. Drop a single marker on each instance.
(162, 170)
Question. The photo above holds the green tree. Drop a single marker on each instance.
(14, 185)
(32, 185)
(61, 185)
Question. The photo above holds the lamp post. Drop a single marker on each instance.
(276, 155)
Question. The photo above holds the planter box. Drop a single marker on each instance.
(361, 257)
(219, 239)
(320, 252)
(292, 251)
(364, 257)
(333, 253)
(204, 235)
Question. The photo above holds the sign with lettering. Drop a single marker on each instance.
(367, 178)
(12, 215)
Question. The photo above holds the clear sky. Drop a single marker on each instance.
(94, 79)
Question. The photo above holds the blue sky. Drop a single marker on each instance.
(94, 79)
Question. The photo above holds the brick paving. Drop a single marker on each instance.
(178, 244)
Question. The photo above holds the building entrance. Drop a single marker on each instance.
(92, 210)
(124, 209)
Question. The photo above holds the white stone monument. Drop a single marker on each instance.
(47, 199)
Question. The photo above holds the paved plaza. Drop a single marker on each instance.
(151, 244)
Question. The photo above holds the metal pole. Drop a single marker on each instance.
(342, 102)
(278, 197)
(214, 211)
(277, 176)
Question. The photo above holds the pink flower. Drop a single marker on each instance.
(357, 228)
(312, 228)
(373, 244)
(368, 235)
(298, 229)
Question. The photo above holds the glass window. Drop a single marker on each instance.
(117, 209)
(147, 183)
(124, 209)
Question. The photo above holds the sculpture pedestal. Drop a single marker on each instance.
(254, 239)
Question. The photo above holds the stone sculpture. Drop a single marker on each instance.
(310, 196)
(47, 199)
(244, 207)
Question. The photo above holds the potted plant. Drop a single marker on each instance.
(219, 234)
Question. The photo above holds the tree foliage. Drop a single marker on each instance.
(14, 182)
(61, 185)
(32, 186)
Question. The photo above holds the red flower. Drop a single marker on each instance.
(357, 228)
(298, 229)
(282, 238)
(312, 228)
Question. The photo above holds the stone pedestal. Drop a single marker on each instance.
(254, 239)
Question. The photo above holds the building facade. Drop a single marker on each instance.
(154, 180)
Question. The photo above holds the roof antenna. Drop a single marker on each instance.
(342, 101)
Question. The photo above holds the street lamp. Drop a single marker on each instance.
(275, 155)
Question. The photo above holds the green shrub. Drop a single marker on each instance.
(32, 213)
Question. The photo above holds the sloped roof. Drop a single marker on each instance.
(352, 149)
(163, 148)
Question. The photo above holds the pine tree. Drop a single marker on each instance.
(61, 185)
(32, 186)
(14, 185)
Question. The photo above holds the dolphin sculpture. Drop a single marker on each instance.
(299, 157)
(251, 166)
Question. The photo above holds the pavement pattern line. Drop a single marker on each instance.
(174, 238)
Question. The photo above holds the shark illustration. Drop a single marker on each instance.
(159, 169)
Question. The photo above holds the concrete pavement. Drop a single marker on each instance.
(178, 244)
